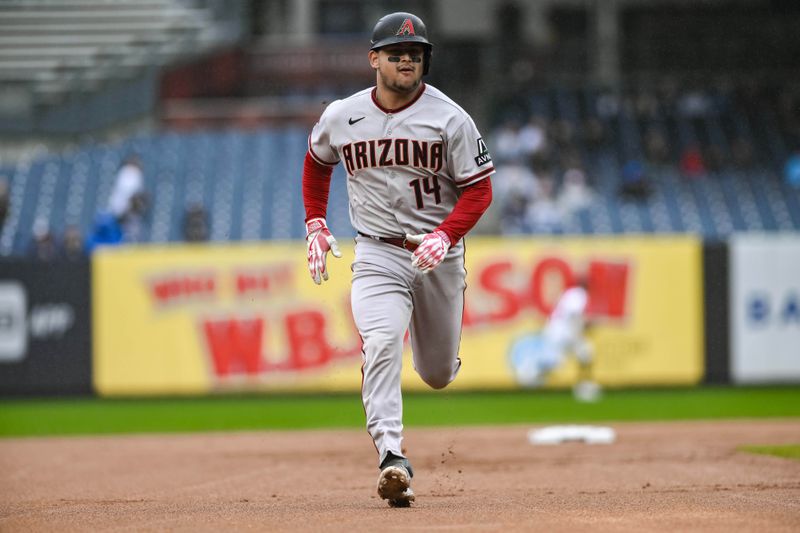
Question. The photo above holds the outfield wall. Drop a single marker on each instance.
(189, 319)
(45, 328)
(765, 304)
(247, 317)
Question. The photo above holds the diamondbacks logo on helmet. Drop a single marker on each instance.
(407, 28)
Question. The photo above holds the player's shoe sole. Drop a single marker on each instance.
(394, 485)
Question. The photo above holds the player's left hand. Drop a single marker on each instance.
(431, 249)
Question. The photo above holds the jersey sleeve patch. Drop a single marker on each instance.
(483, 156)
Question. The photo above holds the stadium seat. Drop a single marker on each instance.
(248, 181)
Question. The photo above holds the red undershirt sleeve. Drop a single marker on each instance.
(316, 186)
(468, 210)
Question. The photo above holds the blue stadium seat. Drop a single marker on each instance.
(249, 181)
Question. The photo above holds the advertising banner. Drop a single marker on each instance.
(765, 297)
(45, 328)
(195, 319)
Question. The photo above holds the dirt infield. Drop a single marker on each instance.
(666, 476)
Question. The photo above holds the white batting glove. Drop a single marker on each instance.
(431, 249)
(320, 242)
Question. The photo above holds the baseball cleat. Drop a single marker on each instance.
(394, 485)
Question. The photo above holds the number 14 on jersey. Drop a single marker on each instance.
(428, 186)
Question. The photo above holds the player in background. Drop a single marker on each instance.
(534, 356)
(417, 181)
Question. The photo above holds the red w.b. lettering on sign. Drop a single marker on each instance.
(608, 289)
(183, 288)
(513, 287)
(236, 345)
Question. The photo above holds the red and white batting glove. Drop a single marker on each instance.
(431, 249)
(320, 242)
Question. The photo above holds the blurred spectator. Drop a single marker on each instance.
(533, 139)
(514, 190)
(714, 158)
(668, 91)
(656, 147)
(634, 185)
(694, 103)
(5, 199)
(692, 165)
(128, 183)
(594, 134)
(132, 221)
(512, 216)
(646, 105)
(575, 194)
(543, 214)
(570, 158)
(43, 245)
(791, 170)
(106, 231)
(195, 224)
(563, 133)
(515, 144)
(742, 153)
(540, 164)
(507, 146)
(73, 245)
(607, 105)
(516, 180)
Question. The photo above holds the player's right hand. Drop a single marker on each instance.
(320, 242)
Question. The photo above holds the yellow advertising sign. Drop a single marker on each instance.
(196, 319)
(645, 306)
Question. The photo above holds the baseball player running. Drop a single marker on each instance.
(417, 181)
(535, 356)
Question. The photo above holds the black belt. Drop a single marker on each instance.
(400, 242)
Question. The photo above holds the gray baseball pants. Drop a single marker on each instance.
(388, 297)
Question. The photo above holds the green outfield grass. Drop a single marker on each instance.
(27, 417)
(789, 451)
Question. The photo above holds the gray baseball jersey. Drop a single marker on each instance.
(405, 166)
